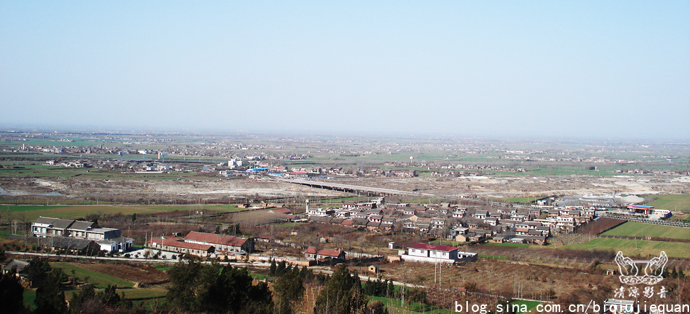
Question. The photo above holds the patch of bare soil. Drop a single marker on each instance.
(484, 186)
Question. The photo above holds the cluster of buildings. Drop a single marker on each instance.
(531, 225)
(79, 235)
(204, 244)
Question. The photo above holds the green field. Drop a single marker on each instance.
(31, 213)
(146, 293)
(638, 229)
(670, 202)
(22, 208)
(143, 293)
(501, 257)
(162, 267)
(99, 280)
(29, 297)
(634, 247)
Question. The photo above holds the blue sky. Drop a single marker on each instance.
(602, 69)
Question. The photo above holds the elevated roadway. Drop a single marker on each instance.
(353, 188)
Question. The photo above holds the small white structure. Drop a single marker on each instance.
(428, 253)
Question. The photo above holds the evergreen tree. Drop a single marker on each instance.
(86, 293)
(680, 273)
(261, 299)
(216, 289)
(306, 273)
(184, 279)
(109, 296)
(289, 290)
(342, 294)
(416, 295)
(295, 270)
(674, 273)
(11, 294)
(272, 268)
(368, 287)
(49, 298)
(37, 271)
(281, 268)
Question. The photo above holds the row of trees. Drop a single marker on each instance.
(50, 297)
(201, 288)
(280, 268)
(196, 287)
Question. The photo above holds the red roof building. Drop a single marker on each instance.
(311, 254)
(222, 243)
(178, 245)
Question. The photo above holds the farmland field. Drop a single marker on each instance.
(638, 229)
(33, 212)
(97, 279)
(144, 293)
(634, 247)
(671, 202)
(29, 297)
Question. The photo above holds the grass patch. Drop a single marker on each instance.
(638, 229)
(259, 276)
(143, 293)
(162, 267)
(446, 242)
(286, 224)
(24, 208)
(670, 202)
(635, 247)
(97, 279)
(29, 298)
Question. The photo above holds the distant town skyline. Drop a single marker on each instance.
(615, 69)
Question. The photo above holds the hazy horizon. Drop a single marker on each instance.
(533, 69)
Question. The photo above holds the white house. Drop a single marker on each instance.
(480, 214)
(436, 254)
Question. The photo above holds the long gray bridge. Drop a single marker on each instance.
(353, 188)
